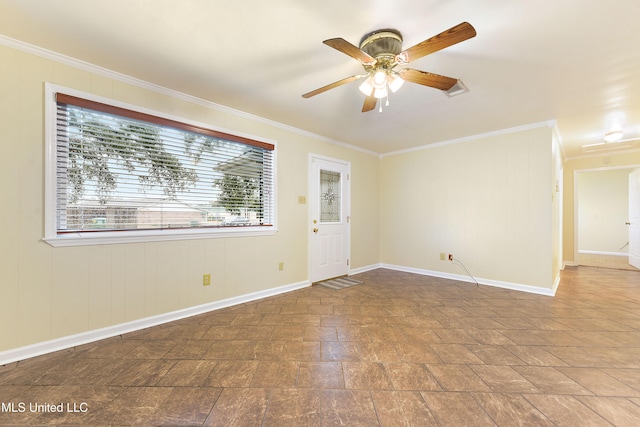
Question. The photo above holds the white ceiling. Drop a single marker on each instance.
(573, 61)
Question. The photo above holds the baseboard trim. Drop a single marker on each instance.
(620, 254)
(488, 282)
(556, 284)
(70, 341)
(364, 269)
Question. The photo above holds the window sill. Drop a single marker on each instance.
(119, 237)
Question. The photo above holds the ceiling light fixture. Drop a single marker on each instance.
(395, 81)
(380, 82)
(380, 51)
(613, 136)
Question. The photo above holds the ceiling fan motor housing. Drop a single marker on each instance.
(383, 45)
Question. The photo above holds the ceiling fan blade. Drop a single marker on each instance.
(347, 48)
(331, 86)
(369, 103)
(453, 35)
(427, 79)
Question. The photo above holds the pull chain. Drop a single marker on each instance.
(386, 104)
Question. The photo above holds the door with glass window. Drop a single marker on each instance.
(329, 200)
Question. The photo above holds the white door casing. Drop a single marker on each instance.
(634, 218)
(329, 221)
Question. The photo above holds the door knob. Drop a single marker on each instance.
(627, 223)
(315, 230)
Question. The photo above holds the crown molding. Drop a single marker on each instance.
(105, 72)
(547, 123)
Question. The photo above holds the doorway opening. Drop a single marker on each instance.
(601, 223)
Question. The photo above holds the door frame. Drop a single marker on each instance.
(347, 206)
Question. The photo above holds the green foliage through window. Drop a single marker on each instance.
(116, 172)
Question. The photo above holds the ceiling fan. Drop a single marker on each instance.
(380, 52)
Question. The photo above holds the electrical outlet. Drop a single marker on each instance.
(450, 257)
(281, 266)
(442, 256)
(206, 279)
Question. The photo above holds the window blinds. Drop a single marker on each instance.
(119, 170)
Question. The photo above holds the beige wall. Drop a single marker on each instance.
(488, 201)
(48, 293)
(571, 166)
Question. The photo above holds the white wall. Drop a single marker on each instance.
(603, 209)
(48, 293)
(488, 201)
(557, 197)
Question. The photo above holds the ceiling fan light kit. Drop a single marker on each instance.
(380, 52)
(395, 81)
(378, 85)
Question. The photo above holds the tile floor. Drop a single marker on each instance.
(399, 350)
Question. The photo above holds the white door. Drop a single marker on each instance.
(329, 207)
(634, 218)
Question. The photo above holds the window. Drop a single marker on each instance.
(119, 174)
